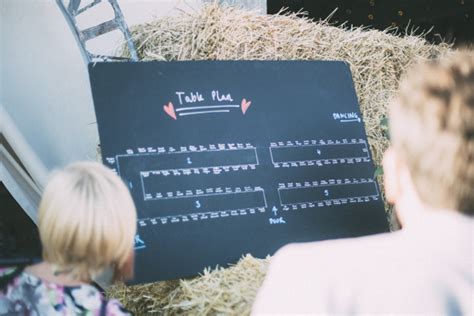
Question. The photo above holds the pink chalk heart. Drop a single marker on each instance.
(169, 109)
(245, 105)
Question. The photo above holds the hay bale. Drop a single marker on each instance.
(377, 60)
(218, 32)
(229, 291)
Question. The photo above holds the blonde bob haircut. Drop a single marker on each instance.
(87, 220)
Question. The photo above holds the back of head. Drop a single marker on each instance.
(87, 220)
(432, 128)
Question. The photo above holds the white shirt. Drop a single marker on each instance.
(427, 268)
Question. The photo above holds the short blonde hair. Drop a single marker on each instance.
(87, 220)
(432, 127)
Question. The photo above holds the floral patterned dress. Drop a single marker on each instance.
(29, 295)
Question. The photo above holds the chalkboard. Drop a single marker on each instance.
(225, 158)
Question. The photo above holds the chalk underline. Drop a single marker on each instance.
(204, 112)
(207, 107)
(351, 120)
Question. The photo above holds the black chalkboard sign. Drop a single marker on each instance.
(225, 158)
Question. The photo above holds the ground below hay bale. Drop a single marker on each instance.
(377, 61)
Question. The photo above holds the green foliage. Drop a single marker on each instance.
(384, 125)
(378, 171)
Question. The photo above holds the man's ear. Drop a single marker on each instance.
(391, 175)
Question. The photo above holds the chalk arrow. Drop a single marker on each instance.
(274, 210)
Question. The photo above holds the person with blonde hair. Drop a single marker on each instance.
(87, 224)
(428, 266)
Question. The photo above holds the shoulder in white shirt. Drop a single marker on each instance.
(425, 269)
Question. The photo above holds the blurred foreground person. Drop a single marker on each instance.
(87, 223)
(427, 267)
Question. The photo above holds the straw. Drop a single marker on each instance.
(377, 60)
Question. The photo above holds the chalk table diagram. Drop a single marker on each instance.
(235, 157)
(179, 199)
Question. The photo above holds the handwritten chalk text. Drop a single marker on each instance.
(195, 97)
